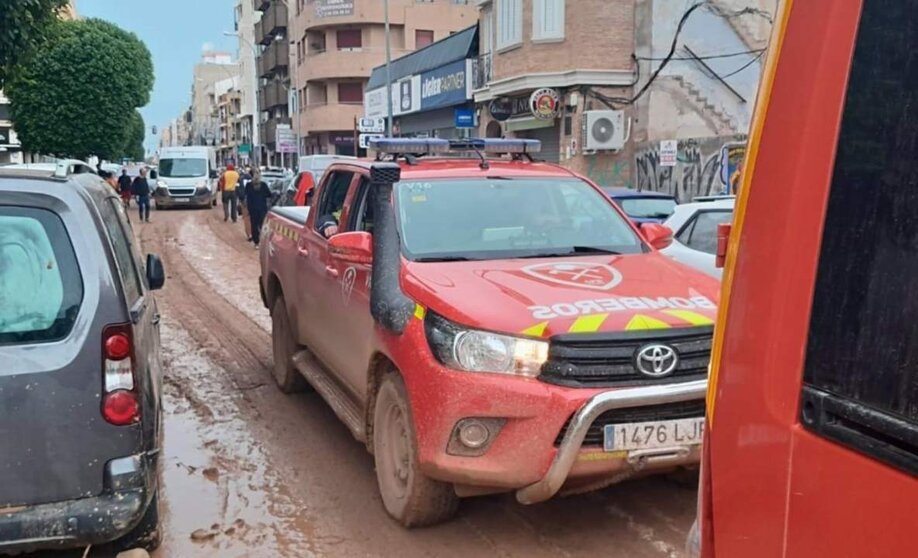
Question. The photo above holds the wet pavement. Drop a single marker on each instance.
(251, 472)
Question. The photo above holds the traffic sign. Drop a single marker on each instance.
(371, 125)
(364, 140)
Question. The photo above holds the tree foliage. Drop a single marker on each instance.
(76, 93)
(133, 146)
(22, 24)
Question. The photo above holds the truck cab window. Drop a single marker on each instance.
(860, 378)
(363, 216)
(332, 201)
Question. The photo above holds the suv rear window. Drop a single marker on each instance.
(40, 284)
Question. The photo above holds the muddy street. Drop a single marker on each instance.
(249, 471)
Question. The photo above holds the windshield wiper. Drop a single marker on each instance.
(428, 259)
(575, 250)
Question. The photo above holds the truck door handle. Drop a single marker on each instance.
(331, 271)
(156, 318)
(303, 251)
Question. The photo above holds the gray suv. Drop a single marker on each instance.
(80, 371)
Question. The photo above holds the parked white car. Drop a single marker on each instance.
(694, 228)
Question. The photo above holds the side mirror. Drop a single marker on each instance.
(154, 175)
(352, 247)
(723, 239)
(213, 173)
(156, 276)
(657, 235)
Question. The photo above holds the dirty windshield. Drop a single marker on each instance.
(499, 218)
(182, 168)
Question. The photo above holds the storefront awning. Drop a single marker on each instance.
(457, 46)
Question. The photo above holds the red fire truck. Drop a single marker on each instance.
(811, 444)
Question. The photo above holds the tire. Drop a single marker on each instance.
(410, 497)
(147, 534)
(284, 346)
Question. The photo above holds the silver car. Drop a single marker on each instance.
(694, 228)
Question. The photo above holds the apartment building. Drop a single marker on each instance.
(214, 75)
(545, 64)
(229, 109)
(245, 17)
(337, 43)
(273, 66)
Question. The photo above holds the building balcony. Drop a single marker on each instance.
(273, 21)
(260, 5)
(269, 129)
(330, 117)
(274, 94)
(356, 63)
(274, 58)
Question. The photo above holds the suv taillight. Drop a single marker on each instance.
(120, 404)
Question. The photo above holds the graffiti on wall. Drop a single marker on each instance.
(704, 167)
(608, 172)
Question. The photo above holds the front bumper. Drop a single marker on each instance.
(166, 200)
(129, 486)
(572, 442)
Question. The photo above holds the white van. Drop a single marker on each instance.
(187, 177)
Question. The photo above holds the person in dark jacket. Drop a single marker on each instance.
(124, 187)
(141, 191)
(257, 195)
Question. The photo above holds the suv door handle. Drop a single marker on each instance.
(331, 271)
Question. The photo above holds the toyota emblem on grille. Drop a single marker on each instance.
(656, 360)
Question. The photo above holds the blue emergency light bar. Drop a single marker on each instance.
(495, 145)
(419, 146)
(413, 146)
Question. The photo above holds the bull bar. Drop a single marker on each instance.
(570, 445)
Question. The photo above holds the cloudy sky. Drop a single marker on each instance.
(175, 31)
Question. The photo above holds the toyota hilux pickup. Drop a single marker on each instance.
(487, 323)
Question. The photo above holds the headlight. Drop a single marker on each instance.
(202, 185)
(482, 351)
(161, 184)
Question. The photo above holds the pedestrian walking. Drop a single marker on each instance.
(257, 195)
(124, 188)
(229, 196)
(141, 189)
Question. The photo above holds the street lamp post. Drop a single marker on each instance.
(291, 77)
(388, 70)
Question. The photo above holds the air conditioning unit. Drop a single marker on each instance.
(605, 130)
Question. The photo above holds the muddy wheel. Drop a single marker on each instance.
(147, 534)
(411, 498)
(286, 376)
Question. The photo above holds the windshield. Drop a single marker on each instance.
(501, 218)
(654, 208)
(182, 168)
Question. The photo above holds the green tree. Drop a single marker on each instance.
(23, 24)
(76, 93)
(133, 146)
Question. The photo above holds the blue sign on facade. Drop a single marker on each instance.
(445, 86)
(465, 117)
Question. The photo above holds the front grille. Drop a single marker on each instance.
(180, 192)
(649, 413)
(608, 359)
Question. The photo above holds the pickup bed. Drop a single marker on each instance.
(487, 328)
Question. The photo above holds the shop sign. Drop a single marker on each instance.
(341, 138)
(374, 103)
(334, 8)
(446, 85)
(544, 103)
(285, 139)
(465, 117)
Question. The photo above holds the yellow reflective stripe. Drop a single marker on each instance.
(588, 324)
(535, 331)
(419, 311)
(739, 212)
(641, 321)
(693, 318)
